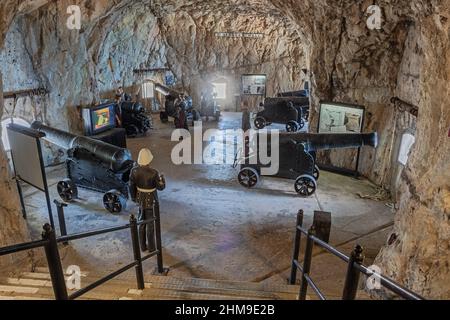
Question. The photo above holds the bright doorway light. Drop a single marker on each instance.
(220, 90)
(148, 90)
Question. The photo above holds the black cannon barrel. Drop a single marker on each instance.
(165, 90)
(328, 141)
(300, 101)
(131, 107)
(115, 157)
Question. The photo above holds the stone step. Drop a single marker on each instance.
(227, 288)
(24, 298)
(38, 285)
(18, 289)
(221, 284)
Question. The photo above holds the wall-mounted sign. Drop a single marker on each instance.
(254, 84)
(406, 144)
(28, 163)
(251, 35)
(340, 118)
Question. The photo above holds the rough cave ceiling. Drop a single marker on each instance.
(408, 58)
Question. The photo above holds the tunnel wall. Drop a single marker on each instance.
(348, 62)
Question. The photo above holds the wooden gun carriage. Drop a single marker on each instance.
(296, 157)
(290, 111)
(92, 165)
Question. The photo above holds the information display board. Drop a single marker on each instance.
(26, 154)
(335, 118)
(340, 118)
(254, 84)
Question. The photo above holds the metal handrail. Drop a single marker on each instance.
(50, 244)
(22, 247)
(355, 267)
(83, 235)
(103, 280)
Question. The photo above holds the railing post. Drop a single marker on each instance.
(137, 252)
(353, 274)
(61, 218)
(297, 242)
(157, 225)
(54, 263)
(307, 262)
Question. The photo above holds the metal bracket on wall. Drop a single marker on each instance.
(404, 106)
(147, 70)
(28, 92)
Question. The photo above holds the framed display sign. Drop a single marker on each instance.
(335, 118)
(254, 84)
(340, 118)
(26, 154)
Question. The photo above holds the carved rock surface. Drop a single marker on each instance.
(407, 58)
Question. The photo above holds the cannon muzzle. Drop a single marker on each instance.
(327, 141)
(165, 90)
(116, 158)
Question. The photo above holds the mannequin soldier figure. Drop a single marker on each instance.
(144, 185)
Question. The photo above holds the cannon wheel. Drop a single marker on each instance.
(132, 131)
(316, 173)
(196, 116)
(260, 123)
(305, 185)
(114, 201)
(67, 190)
(248, 177)
(164, 116)
(292, 126)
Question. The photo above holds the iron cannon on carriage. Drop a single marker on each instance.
(297, 159)
(92, 165)
(134, 118)
(176, 105)
(291, 111)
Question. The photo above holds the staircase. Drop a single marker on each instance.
(37, 286)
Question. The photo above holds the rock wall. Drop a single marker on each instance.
(198, 57)
(418, 251)
(408, 57)
(13, 228)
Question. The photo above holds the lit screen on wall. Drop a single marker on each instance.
(99, 118)
(102, 118)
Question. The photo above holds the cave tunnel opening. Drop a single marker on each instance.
(56, 63)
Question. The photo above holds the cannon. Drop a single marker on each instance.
(176, 101)
(297, 157)
(300, 93)
(291, 111)
(134, 118)
(92, 165)
(209, 106)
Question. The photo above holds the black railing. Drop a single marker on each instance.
(354, 269)
(50, 244)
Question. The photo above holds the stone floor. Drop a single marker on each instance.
(215, 229)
